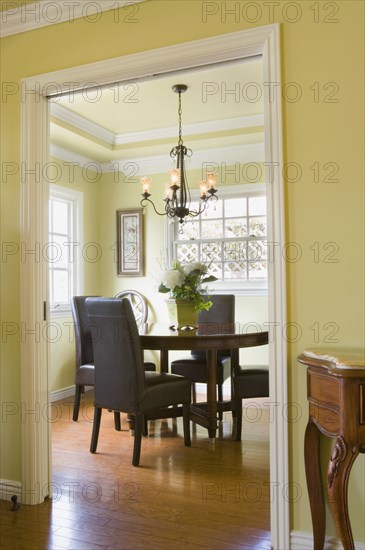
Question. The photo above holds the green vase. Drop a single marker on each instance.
(182, 314)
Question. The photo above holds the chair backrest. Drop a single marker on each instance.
(119, 372)
(138, 303)
(84, 346)
(222, 315)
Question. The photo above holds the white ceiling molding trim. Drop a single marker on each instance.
(238, 154)
(191, 129)
(69, 156)
(82, 123)
(29, 17)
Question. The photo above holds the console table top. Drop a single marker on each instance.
(341, 358)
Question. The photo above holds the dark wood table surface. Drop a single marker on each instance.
(211, 338)
(336, 394)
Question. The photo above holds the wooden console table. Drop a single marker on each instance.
(336, 394)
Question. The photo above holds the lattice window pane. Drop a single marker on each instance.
(235, 270)
(236, 252)
(257, 270)
(215, 269)
(258, 226)
(257, 250)
(187, 253)
(211, 252)
(236, 228)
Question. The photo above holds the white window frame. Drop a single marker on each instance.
(76, 244)
(251, 288)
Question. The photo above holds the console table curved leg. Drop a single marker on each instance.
(339, 468)
(314, 484)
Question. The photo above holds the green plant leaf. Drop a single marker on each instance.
(209, 279)
(162, 288)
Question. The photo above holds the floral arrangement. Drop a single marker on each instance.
(184, 282)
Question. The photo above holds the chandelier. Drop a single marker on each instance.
(177, 195)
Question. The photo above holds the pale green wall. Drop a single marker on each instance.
(313, 131)
(61, 338)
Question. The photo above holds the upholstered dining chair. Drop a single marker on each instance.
(84, 361)
(140, 312)
(249, 382)
(121, 383)
(194, 368)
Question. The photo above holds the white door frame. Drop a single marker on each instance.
(265, 41)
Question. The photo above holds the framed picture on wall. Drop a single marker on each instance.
(130, 251)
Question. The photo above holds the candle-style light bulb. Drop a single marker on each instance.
(211, 180)
(175, 176)
(146, 184)
(203, 189)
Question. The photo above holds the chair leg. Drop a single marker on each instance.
(117, 421)
(186, 424)
(145, 425)
(220, 398)
(238, 408)
(96, 428)
(78, 392)
(193, 392)
(232, 397)
(137, 439)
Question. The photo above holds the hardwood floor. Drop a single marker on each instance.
(197, 498)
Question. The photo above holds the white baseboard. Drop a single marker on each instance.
(10, 488)
(63, 393)
(304, 541)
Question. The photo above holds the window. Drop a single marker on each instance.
(64, 248)
(230, 236)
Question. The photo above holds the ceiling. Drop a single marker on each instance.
(222, 114)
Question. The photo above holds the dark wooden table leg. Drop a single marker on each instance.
(212, 394)
(164, 360)
(314, 484)
(234, 365)
(338, 474)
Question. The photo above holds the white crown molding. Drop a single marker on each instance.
(191, 129)
(162, 163)
(78, 121)
(70, 156)
(29, 17)
(82, 123)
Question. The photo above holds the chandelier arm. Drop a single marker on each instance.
(143, 204)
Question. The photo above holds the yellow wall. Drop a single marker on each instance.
(61, 335)
(314, 130)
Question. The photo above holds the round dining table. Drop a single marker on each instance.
(210, 337)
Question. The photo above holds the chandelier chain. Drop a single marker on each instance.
(180, 142)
